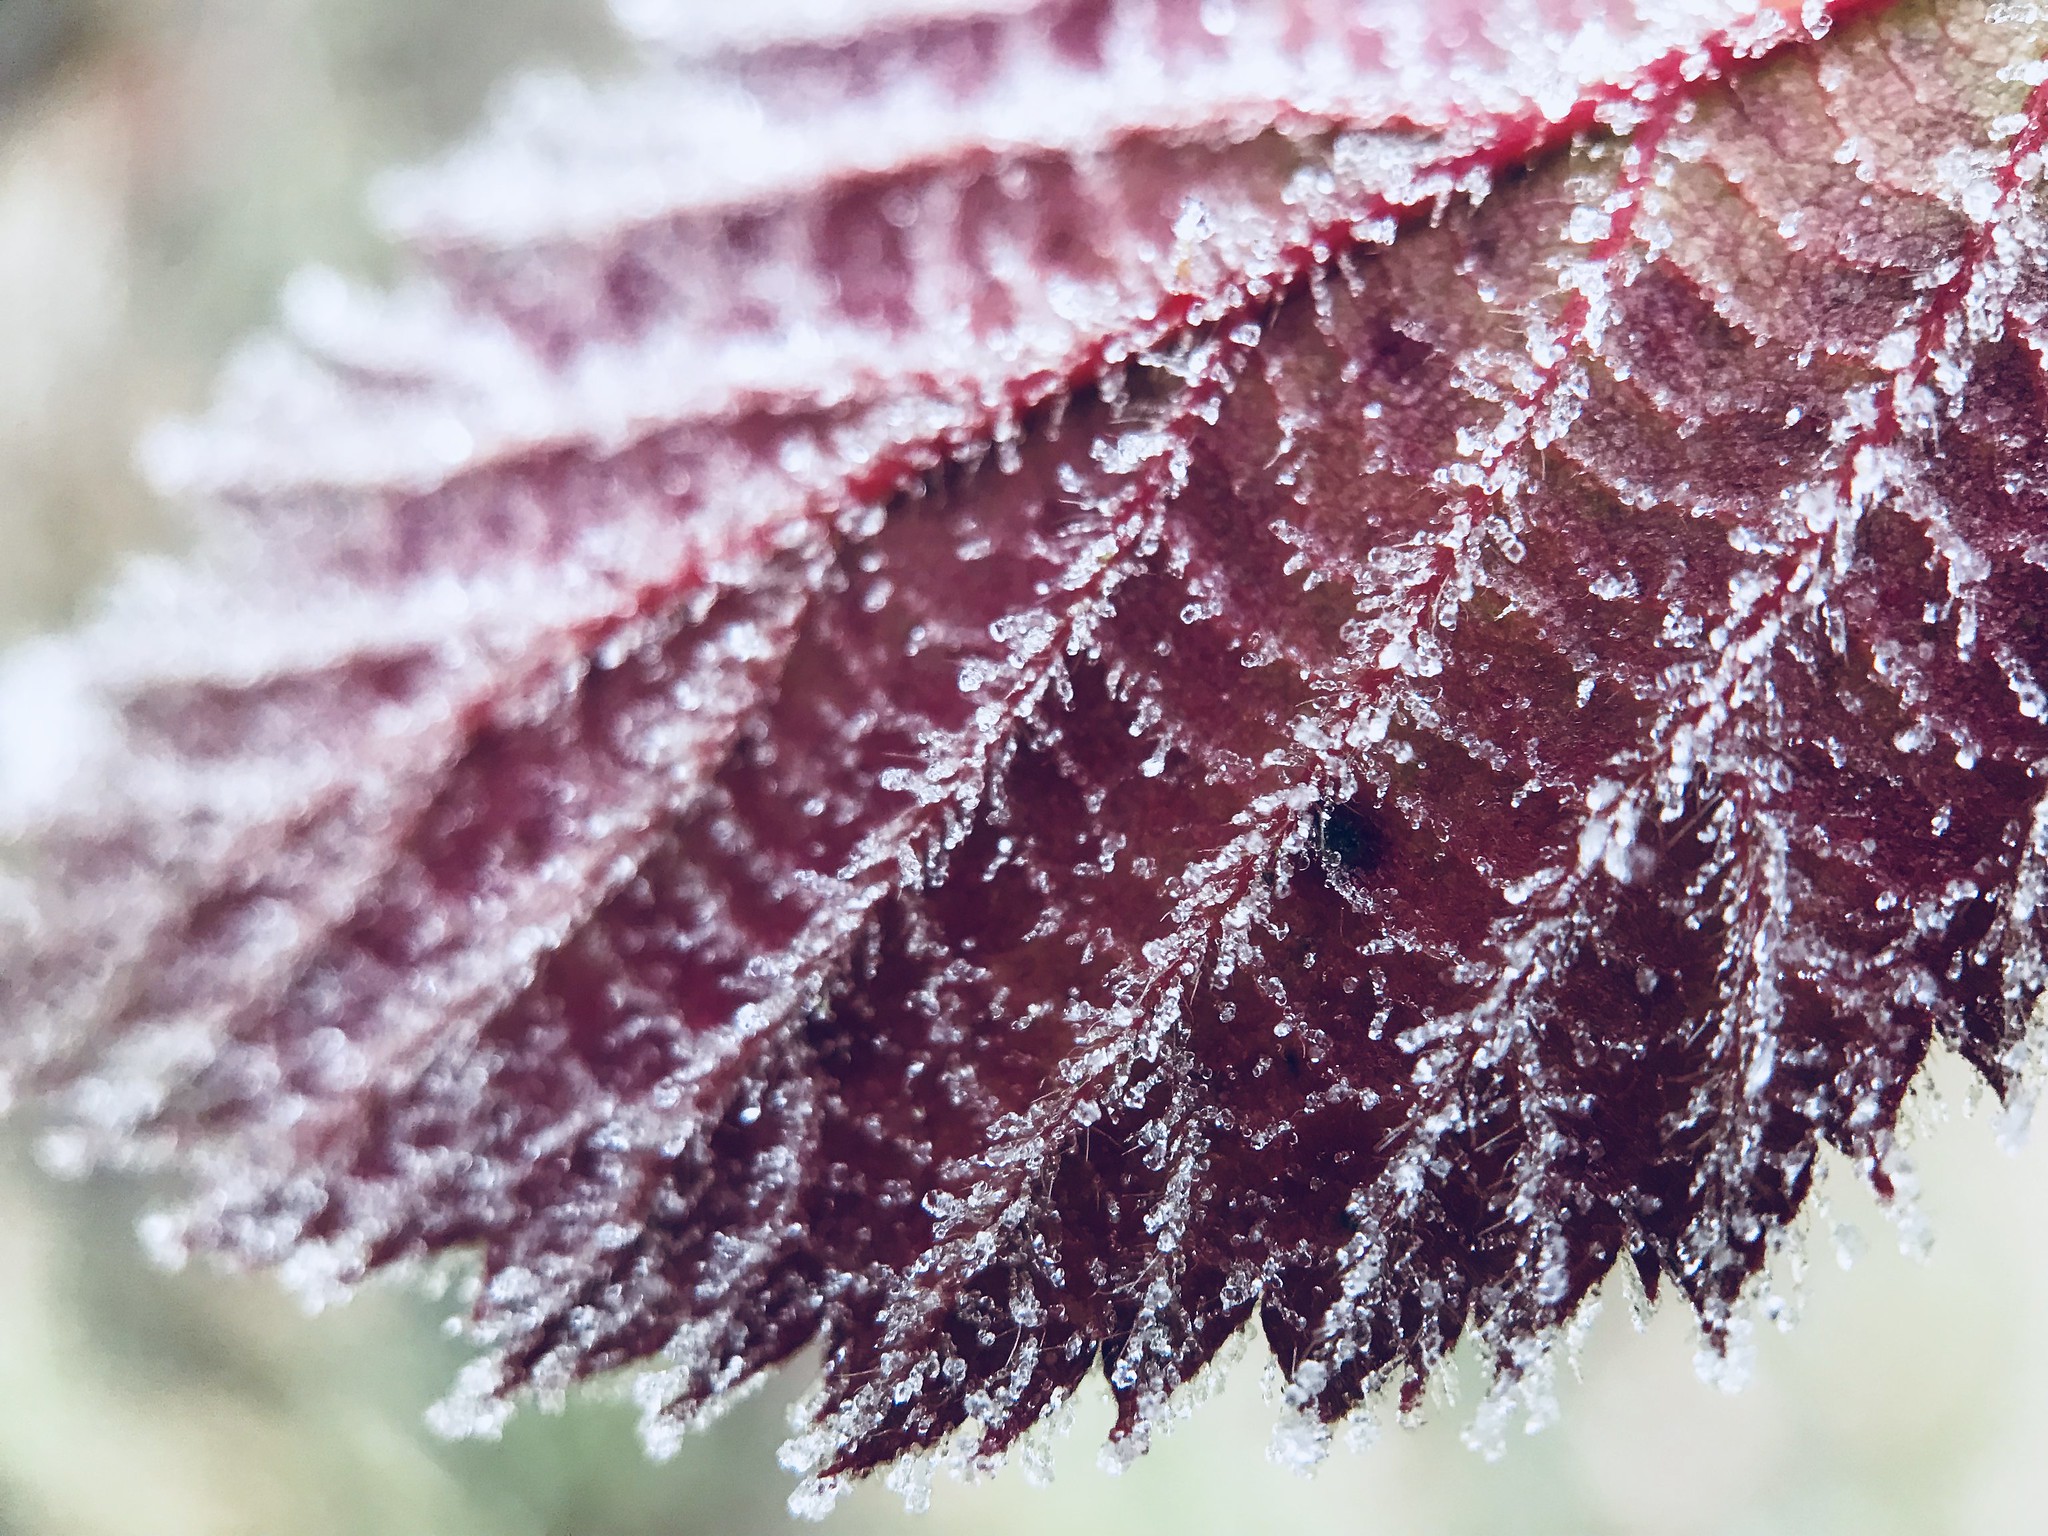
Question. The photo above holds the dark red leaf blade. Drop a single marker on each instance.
(1391, 659)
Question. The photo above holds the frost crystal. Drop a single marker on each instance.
(1003, 685)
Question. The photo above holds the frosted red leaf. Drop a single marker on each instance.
(1008, 687)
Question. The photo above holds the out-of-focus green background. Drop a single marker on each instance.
(163, 164)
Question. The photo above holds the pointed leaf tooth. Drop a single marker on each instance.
(717, 1243)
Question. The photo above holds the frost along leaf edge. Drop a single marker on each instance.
(1146, 670)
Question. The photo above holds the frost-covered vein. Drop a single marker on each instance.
(623, 151)
(1222, 899)
(840, 903)
(618, 391)
(265, 847)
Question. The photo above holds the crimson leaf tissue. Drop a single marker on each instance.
(1006, 685)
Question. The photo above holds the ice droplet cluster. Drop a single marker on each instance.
(1005, 685)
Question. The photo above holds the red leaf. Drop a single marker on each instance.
(1003, 685)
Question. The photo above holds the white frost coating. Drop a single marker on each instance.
(689, 28)
(51, 727)
(1720, 728)
(404, 391)
(625, 152)
(376, 396)
(469, 393)
(1220, 904)
(451, 390)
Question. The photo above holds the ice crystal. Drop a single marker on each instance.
(1003, 685)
